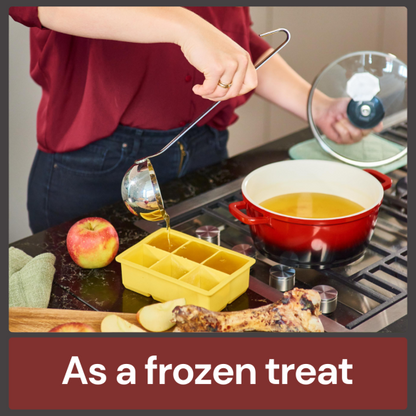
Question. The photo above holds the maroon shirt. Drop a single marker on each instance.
(91, 86)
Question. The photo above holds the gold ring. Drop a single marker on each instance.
(224, 85)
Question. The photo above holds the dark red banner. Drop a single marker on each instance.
(208, 373)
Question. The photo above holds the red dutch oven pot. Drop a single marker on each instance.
(304, 242)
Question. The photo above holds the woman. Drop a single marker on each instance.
(118, 83)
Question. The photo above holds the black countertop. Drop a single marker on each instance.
(102, 289)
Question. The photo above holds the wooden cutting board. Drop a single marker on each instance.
(42, 320)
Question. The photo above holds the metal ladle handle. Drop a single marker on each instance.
(186, 129)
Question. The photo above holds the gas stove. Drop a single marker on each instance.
(365, 296)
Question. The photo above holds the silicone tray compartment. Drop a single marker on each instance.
(203, 273)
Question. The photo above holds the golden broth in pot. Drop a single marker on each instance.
(311, 205)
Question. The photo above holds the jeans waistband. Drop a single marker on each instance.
(129, 132)
(140, 132)
(134, 139)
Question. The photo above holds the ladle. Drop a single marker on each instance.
(140, 189)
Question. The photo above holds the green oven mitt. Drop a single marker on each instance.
(30, 279)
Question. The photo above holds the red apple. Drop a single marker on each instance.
(73, 327)
(92, 242)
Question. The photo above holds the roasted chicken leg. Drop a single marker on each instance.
(297, 311)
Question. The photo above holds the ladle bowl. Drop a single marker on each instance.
(140, 189)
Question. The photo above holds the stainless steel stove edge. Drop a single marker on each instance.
(374, 324)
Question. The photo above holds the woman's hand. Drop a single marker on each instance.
(330, 115)
(220, 59)
(281, 85)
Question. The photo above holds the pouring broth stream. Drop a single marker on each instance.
(160, 215)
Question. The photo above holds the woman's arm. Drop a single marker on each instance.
(206, 48)
(281, 85)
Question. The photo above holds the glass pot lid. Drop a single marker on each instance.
(374, 86)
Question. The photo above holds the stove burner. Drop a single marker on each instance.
(282, 277)
(245, 249)
(329, 298)
(209, 233)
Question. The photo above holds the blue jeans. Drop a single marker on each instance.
(63, 186)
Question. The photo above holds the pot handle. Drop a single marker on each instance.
(235, 209)
(385, 181)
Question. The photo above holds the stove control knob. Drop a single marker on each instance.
(329, 298)
(246, 249)
(282, 277)
(209, 233)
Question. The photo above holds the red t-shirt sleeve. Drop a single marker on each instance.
(27, 16)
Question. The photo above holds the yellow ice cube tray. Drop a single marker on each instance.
(203, 273)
